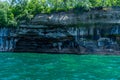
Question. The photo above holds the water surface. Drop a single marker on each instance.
(31, 66)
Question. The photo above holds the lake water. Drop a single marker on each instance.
(31, 66)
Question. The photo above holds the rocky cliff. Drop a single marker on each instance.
(68, 32)
(110, 16)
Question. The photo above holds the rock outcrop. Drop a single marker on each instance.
(67, 32)
(71, 19)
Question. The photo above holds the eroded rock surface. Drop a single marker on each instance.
(96, 32)
(71, 18)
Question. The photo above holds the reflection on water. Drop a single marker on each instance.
(58, 67)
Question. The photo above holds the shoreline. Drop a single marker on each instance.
(85, 53)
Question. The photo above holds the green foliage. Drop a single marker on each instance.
(3, 14)
(117, 2)
(6, 15)
(3, 18)
(11, 19)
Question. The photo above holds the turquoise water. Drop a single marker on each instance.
(27, 66)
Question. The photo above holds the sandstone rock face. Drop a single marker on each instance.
(55, 41)
(91, 17)
(67, 40)
(7, 39)
(88, 32)
(68, 32)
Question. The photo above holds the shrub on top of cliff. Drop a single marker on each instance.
(7, 19)
(11, 22)
(3, 18)
(3, 14)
